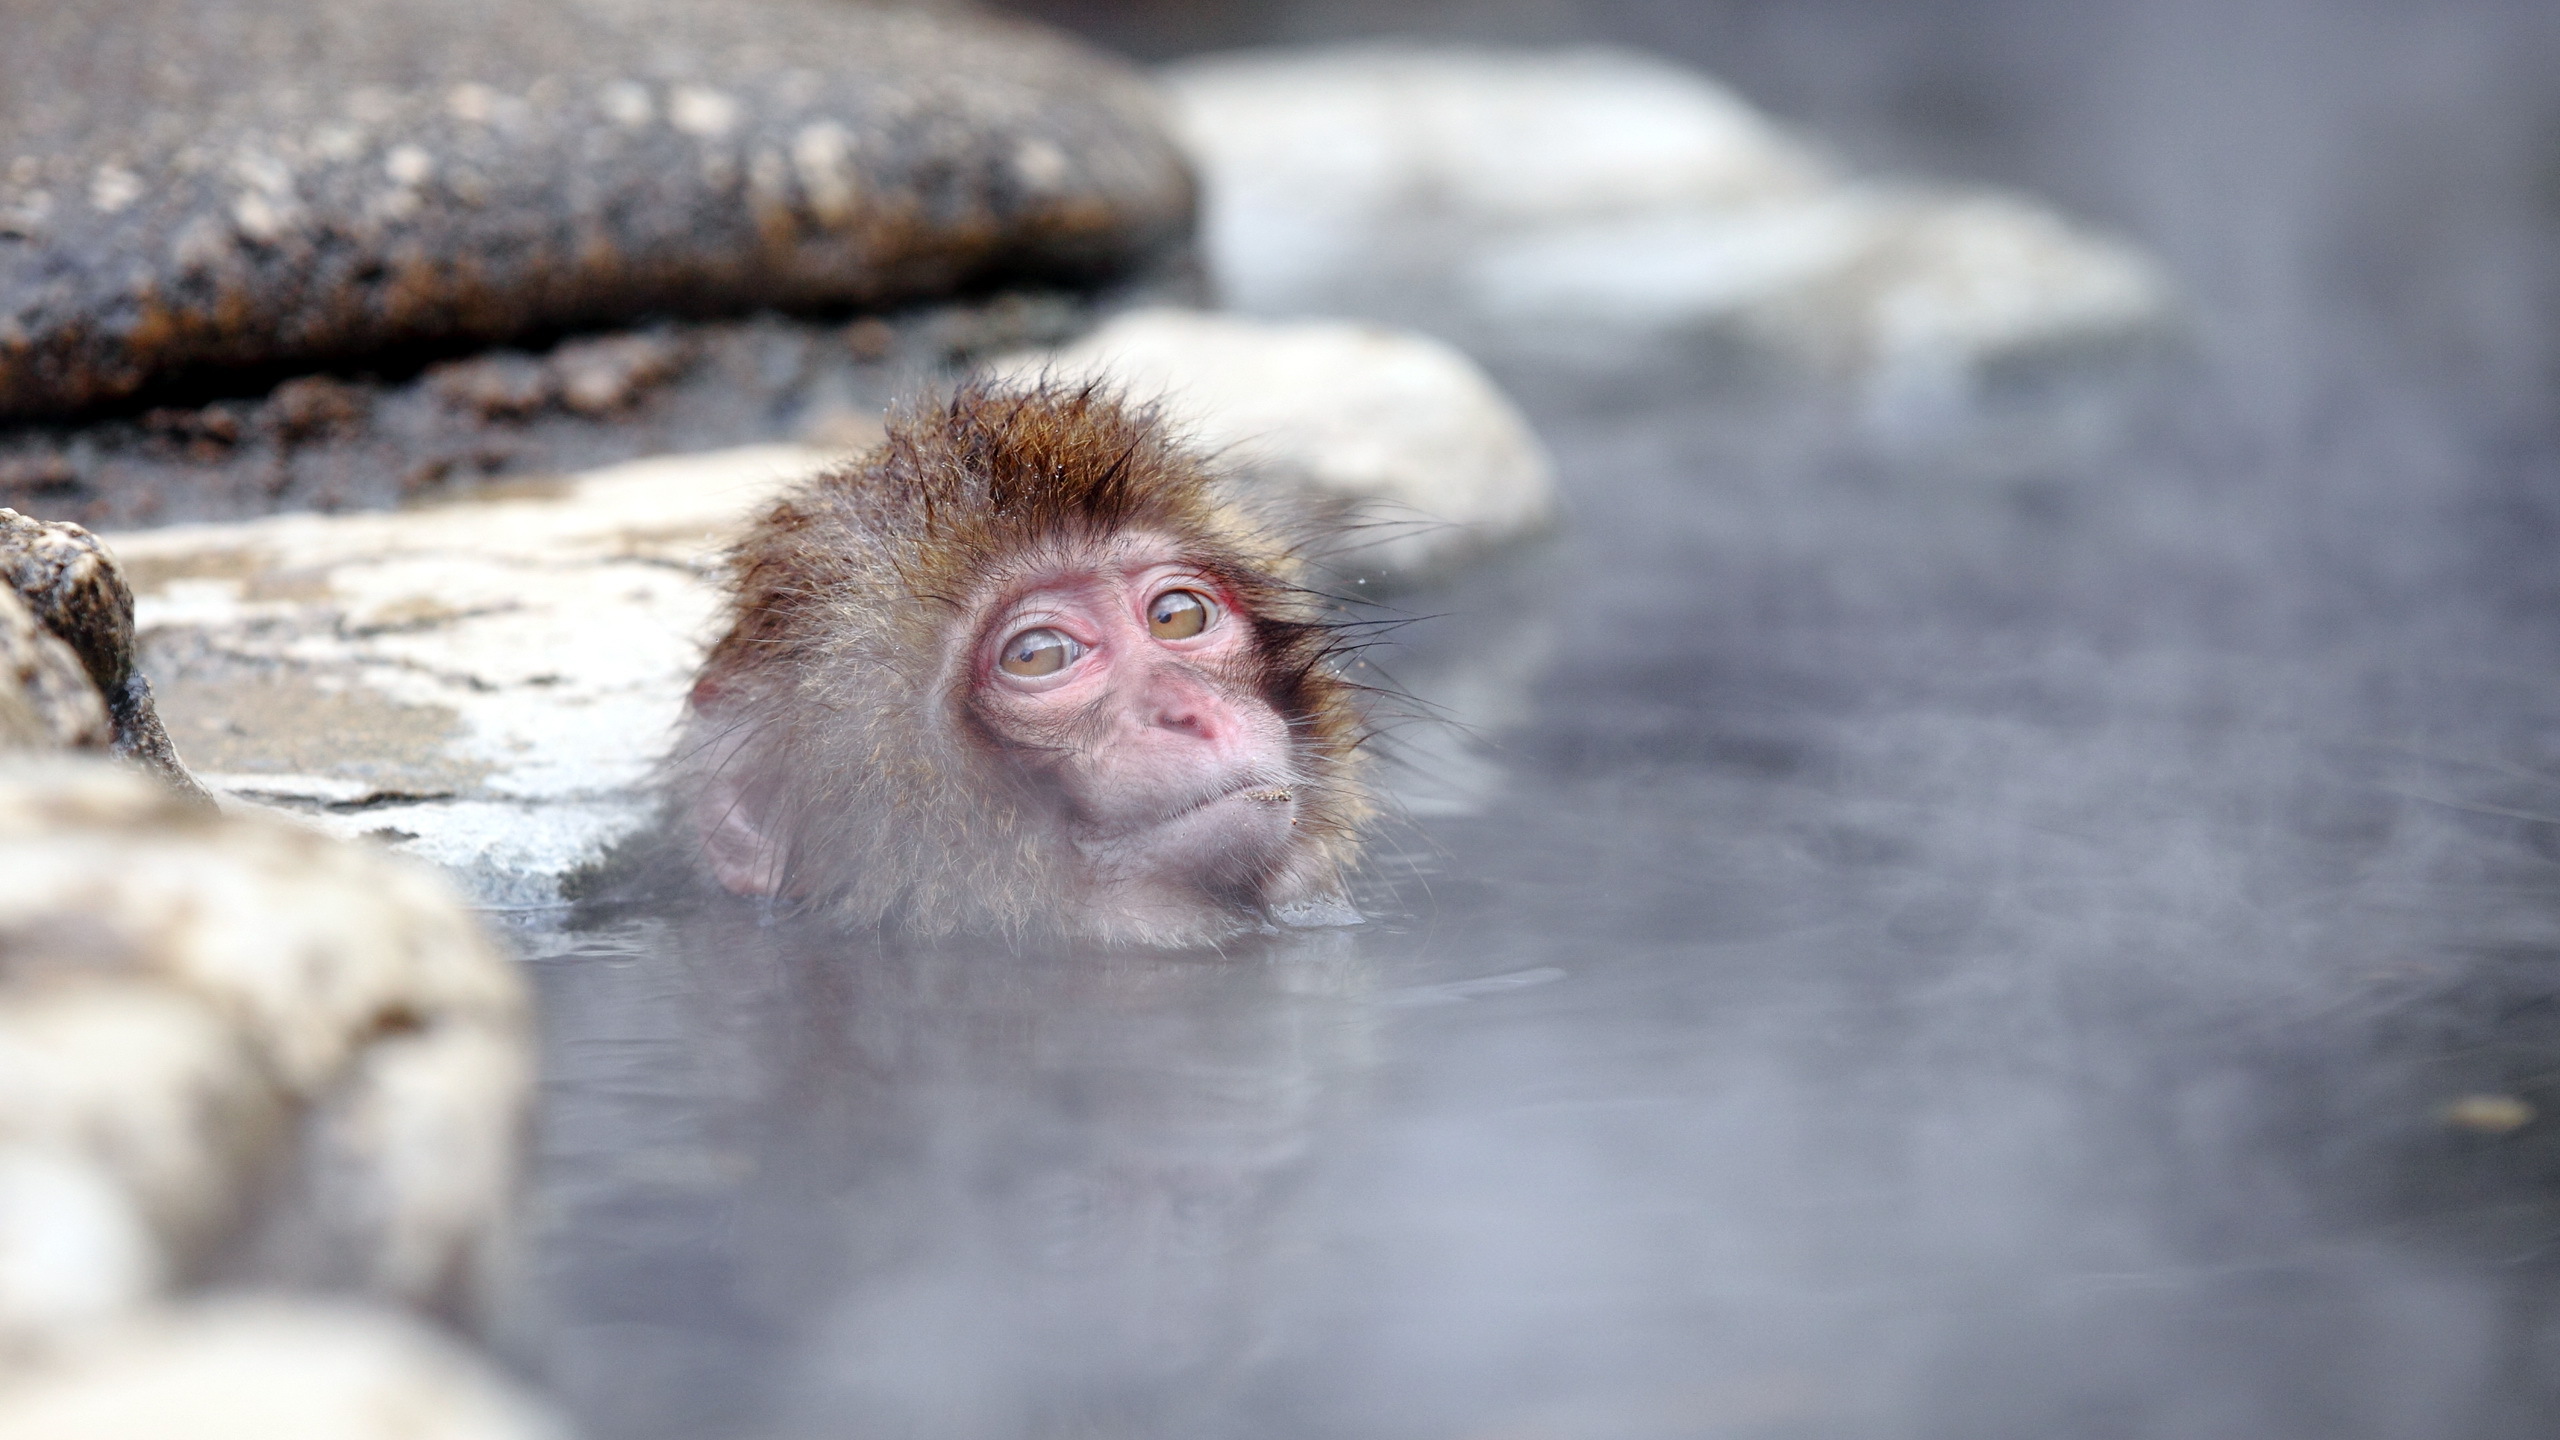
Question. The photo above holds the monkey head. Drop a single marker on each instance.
(1025, 668)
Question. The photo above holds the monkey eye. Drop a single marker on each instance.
(1039, 652)
(1178, 615)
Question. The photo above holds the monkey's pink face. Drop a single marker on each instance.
(1134, 681)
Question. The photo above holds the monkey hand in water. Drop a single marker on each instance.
(1026, 669)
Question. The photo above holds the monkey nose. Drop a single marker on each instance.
(1186, 707)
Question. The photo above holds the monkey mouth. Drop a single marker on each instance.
(1252, 788)
(1223, 842)
(1258, 790)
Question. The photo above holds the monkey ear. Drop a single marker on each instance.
(744, 859)
(736, 847)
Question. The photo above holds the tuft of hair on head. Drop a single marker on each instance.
(831, 755)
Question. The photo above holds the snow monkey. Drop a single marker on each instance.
(1026, 668)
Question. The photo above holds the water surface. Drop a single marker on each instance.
(1969, 934)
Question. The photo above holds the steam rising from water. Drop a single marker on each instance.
(2025, 898)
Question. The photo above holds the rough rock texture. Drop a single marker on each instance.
(63, 574)
(233, 1046)
(71, 586)
(1589, 203)
(46, 699)
(193, 184)
(371, 442)
(488, 685)
(266, 1370)
(1408, 445)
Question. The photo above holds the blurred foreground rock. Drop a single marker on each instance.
(278, 1056)
(266, 1370)
(1398, 438)
(1596, 206)
(234, 1051)
(201, 184)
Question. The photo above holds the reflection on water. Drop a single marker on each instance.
(812, 1187)
(1966, 940)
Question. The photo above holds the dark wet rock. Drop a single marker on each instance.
(38, 471)
(494, 387)
(69, 585)
(200, 185)
(599, 377)
(593, 377)
(327, 442)
(316, 407)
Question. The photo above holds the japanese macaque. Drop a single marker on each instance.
(1026, 668)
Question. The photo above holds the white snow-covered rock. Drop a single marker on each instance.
(487, 686)
(1399, 436)
(1592, 204)
(1310, 156)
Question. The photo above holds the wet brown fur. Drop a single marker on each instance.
(838, 699)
